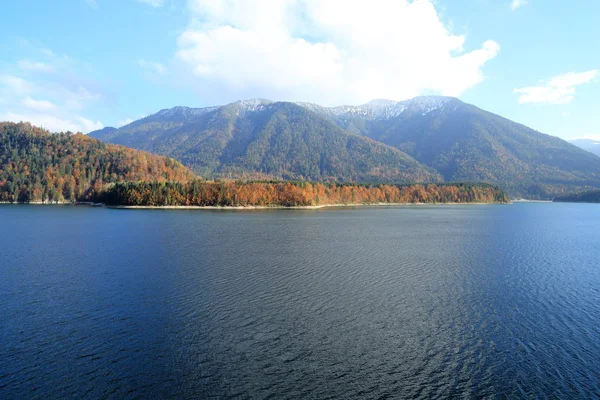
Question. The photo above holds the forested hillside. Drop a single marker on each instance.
(38, 166)
(261, 139)
(420, 140)
(584, 197)
(288, 194)
(593, 146)
(465, 143)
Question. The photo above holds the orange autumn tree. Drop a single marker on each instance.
(38, 166)
(289, 194)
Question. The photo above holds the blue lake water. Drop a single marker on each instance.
(421, 302)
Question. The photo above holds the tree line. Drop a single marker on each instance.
(288, 194)
(37, 166)
(583, 197)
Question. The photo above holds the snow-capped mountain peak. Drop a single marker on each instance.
(373, 110)
(252, 104)
(185, 112)
(382, 108)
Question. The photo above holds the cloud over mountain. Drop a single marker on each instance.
(333, 52)
(557, 90)
(48, 90)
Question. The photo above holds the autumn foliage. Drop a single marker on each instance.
(38, 166)
(289, 194)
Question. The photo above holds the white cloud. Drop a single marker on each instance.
(517, 3)
(332, 52)
(53, 123)
(48, 52)
(35, 66)
(557, 90)
(14, 85)
(55, 101)
(153, 3)
(38, 105)
(26, 43)
(154, 67)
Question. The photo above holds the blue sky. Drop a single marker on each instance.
(84, 64)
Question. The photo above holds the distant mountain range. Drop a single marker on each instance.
(426, 139)
(593, 146)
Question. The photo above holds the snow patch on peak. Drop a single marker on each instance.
(380, 103)
(382, 108)
(252, 104)
(185, 112)
(427, 104)
(373, 110)
(385, 109)
(168, 112)
(311, 106)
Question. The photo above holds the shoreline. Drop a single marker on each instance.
(291, 207)
(40, 203)
(278, 207)
(531, 201)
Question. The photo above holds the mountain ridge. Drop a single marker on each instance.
(593, 146)
(264, 139)
(443, 135)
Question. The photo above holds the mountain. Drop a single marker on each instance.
(264, 139)
(414, 140)
(38, 166)
(593, 146)
(107, 131)
(583, 197)
(465, 143)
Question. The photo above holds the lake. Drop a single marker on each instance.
(498, 301)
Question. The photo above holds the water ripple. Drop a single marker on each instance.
(428, 302)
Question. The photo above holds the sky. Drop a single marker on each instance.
(80, 65)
